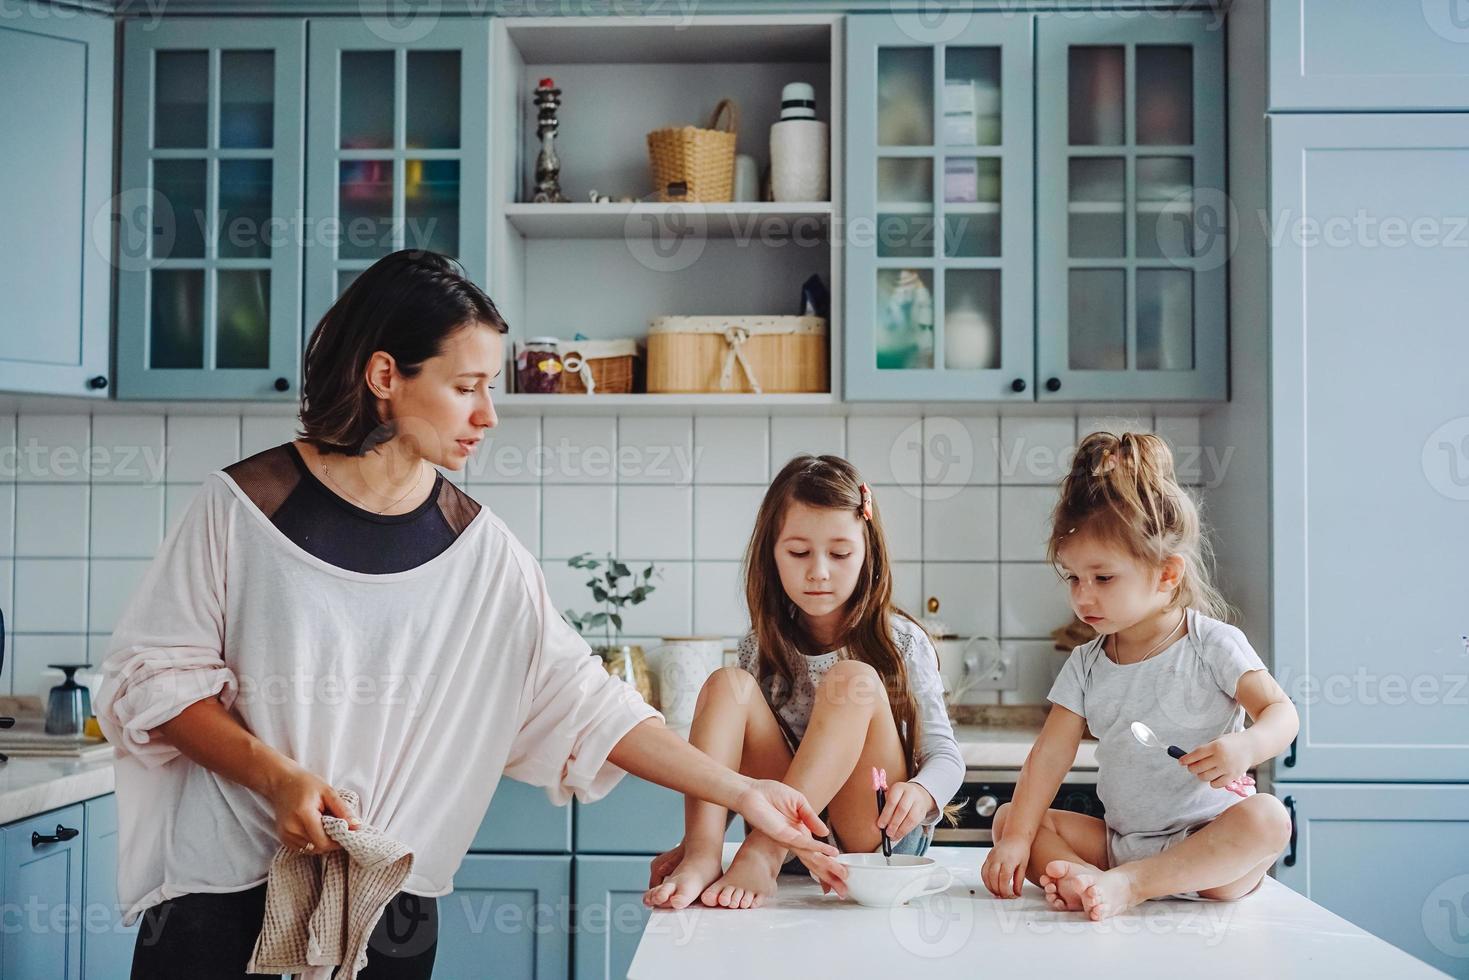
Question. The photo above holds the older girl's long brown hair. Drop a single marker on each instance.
(866, 631)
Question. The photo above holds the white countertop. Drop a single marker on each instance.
(967, 932)
(985, 747)
(34, 784)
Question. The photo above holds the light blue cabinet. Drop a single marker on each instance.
(56, 71)
(508, 916)
(1131, 219)
(398, 145)
(107, 945)
(610, 915)
(637, 817)
(42, 887)
(1393, 859)
(1370, 442)
(209, 255)
(522, 819)
(1368, 54)
(939, 263)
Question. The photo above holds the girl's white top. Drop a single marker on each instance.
(416, 689)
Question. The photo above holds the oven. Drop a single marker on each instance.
(985, 789)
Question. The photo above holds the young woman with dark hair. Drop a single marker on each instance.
(332, 614)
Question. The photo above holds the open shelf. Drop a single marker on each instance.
(653, 219)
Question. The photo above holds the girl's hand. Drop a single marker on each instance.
(784, 815)
(663, 865)
(300, 798)
(1003, 872)
(908, 805)
(1221, 761)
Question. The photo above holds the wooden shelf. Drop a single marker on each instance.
(652, 219)
(662, 403)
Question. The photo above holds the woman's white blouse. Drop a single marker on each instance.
(417, 689)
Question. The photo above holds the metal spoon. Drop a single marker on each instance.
(1145, 735)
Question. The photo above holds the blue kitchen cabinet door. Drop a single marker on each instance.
(1378, 55)
(1370, 443)
(1131, 211)
(209, 254)
(508, 916)
(55, 181)
(43, 896)
(1393, 859)
(522, 818)
(398, 148)
(107, 945)
(939, 251)
(610, 915)
(637, 817)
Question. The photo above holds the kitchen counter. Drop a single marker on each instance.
(988, 747)
(34, 784)
(964, 931)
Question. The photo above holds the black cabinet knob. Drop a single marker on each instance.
(1018, 384)
(97, 383)
(1053, 384)
(281, 384)
(62, 834)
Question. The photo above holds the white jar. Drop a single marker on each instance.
(799, 152)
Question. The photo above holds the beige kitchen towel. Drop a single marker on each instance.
(320, 909)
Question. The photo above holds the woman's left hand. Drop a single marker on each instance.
(1219, 762)
(785, 815)
(908, 805)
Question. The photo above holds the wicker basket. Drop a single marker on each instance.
(693, 164)
(600, 367)
(757, 354)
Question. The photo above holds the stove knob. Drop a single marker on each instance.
(986, 806)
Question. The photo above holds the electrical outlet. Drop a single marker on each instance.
(998, 673)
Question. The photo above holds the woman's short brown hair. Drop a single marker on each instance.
(407, 305)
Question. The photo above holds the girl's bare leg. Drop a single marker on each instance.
(1075, 839)
(1224, 860)
(851, 730)
(734, 726)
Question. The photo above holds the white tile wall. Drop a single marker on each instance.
(85, 503)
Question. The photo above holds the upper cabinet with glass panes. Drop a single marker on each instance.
(1120, 241)
(398, 149)
(209, 282)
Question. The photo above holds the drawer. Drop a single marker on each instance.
(521, 818)
(637, 817)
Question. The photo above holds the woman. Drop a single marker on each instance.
(333, 614)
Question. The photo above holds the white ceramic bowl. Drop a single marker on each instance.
(882, 883)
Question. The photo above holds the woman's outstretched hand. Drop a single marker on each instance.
(300, 799)
(784, 815)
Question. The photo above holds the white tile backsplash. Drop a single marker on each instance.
(964, 500)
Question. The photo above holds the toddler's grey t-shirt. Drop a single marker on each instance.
(1185, 694)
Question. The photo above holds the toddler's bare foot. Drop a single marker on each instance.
(1110, 894)
(751, 875)
(685, 882)
(1064, 883)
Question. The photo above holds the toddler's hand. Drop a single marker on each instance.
(1003, 872)
(1219, 762)
(908, 804)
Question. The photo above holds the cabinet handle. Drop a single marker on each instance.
(281, 384)
(1053, 384)
(62, 834)
(1018, 384)
(1290, 757)
(1290, 855)
(97, 383)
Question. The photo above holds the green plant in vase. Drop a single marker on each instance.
(616, 587)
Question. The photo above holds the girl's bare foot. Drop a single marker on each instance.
(1065, 882)
(751, 875)
(1111, 893)
(685, 882)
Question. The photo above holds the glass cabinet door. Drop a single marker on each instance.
(208, 250)
(398, 150)
(938, 239)
(1133, 230)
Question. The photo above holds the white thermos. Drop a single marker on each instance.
(798, 148)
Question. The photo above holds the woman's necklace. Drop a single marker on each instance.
(326, 469)
(1116, 649)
